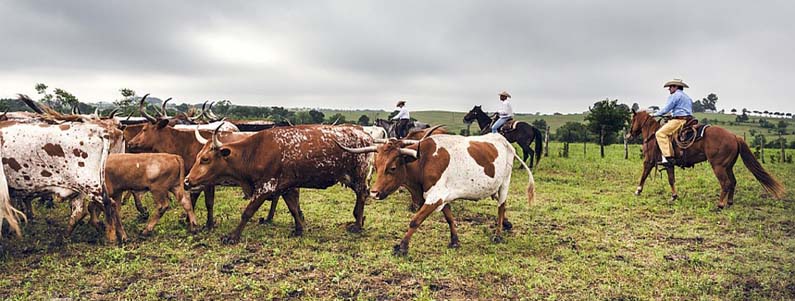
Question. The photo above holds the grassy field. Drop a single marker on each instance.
(586, 237)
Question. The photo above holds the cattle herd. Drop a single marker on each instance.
(91, 161)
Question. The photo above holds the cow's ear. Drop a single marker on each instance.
(162, 123)
(225, 152)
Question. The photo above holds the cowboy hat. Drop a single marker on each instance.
(676, 82)
(503, 93)
(400, 102)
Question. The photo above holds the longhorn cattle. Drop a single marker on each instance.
(443, 168)
(66, 158)
(280, 160)
(160, 138)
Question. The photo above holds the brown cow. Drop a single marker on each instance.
(280, 160)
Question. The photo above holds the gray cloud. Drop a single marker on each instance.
(551, 55)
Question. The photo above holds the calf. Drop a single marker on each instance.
(443, 168)
(277, 161)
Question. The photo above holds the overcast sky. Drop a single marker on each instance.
(552, 56)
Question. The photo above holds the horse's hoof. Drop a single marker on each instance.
(506, 225)
(297, 233)
(674, 197)
(399, 250)
(637, 193)
(263, 221)
(229, 239)
(497, 239)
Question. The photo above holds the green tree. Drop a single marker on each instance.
(540, 124)
(605, 119)
(222, 107)
(64, 99)
(572, 132)
(126, 103)
(317, 116)
(363, 120)
(302, 117)
(339, 118)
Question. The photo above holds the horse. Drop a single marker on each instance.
(524, 134)
(389, 126)
(718, 146)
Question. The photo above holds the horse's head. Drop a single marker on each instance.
(639, 121)
(473, 114)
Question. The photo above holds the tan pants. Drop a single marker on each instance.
(664, 135)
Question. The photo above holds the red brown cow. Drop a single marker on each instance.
(443, 168)
(279, 160)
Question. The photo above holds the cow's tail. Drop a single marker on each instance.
(531, 182)
(539, 144)
(7, 212)
(770, 183)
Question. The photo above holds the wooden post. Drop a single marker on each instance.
(626, 145)
(546, 143)
(762, 149)
(585, 146)
(602, 142)
(781, 143)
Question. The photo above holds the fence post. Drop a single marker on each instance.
(602, 142)
(626, 145)
(546, 143)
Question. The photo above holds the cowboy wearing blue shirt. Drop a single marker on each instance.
(681, 108)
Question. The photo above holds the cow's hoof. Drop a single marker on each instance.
(506, 225)
(398, 250)
(229, 239)
(145, 233)
(453, 245)
(674, 197)
(353, 228)
(208, 227)
(297, 233)
(264, 221)
(637, 193)
(497, 239)
(143, 216)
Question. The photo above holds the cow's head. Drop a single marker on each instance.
(211, 162)
(150, 133)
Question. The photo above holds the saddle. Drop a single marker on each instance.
(684, 138)
(509, 125)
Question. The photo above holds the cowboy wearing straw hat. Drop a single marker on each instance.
(504, 110)
(403, 120)
(681, 108)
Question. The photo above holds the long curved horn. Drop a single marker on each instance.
(210, 112)
(163, 108)
(31, 103)
(96, 111)
(380, 141)
(113, 113)
(409, 141)
(335, 121)
(409, 152)
(360, 150)
(74, 110)
(199, 137)
(217, 143)
(429, 132)
(143, 110)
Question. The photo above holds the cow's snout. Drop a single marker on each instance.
(376, 195)
(187, 184)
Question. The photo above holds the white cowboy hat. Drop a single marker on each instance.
(676, 82)
(503, 93)
(400, 102)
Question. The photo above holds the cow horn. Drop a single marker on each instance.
(409, 141)
(142, 109)
(409, 152)
(96, 111)
(380, 141)
(32, 104)
(217, 143)
(113, 113)
(210, 112)
(335, 121)
(429, 132)
(163, 108)
(199, 137)
(130, 116)
(74, 110)
(360, 150)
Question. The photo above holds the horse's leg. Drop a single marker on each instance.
(732, 185)
(672, 182)
(723, 178)
(647, 166)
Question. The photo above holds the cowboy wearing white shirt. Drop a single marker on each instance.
(403, 120)
(504, 110)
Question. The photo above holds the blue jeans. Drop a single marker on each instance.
(497, 125)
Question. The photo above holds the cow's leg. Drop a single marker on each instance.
(416, 221)
(161, 201)
(291, 198)
(78, 213)
(110, 217)
(209, 202)
(184, 200)
(448, 216)
(95, 210)
(27, 204)
(500, 220)
(358, 211)
(271, 211)
(117, 220)
(416, 200)
(143, 214)
(647, 166)
(672, 182)
(253, 206)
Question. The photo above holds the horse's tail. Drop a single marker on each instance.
(531, 182)
(770, 184)
(539, 144)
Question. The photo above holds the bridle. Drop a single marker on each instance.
(643, 125)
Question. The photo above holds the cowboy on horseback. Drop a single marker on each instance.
(403, 119)
(504, 110)
(681, 108)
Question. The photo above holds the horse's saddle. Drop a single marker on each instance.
(509, 125)
(690, 132)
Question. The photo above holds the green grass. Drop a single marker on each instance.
(586, 237)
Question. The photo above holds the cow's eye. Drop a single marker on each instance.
(392, 169)
(205, 160)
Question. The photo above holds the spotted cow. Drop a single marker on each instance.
(65, 158)
(442, 168)
(7, 212)
(276, 161)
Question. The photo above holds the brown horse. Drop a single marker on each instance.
(718, 146)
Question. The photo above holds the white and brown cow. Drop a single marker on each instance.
(442, 168)
(65, 158)
(7, 212)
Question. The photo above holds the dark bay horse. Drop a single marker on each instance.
(718, 146)
(389, 126)
(524, 133)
